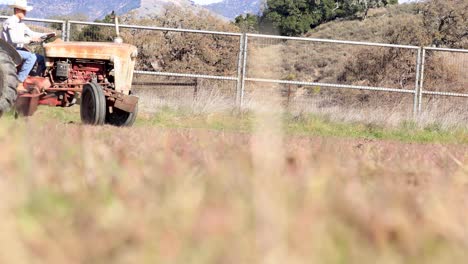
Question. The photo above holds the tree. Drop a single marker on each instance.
(247, 23)
(97, 33)
(355, 6)
(446, 22)
(290, 17)
(74, 28)
(184, 52)
(295, 17)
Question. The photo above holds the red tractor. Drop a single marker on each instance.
(96, 75)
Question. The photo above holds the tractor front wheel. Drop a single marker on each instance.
(121, 118)
(8, 82)
(93, 105)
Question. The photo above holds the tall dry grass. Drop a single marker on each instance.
(366, 107)
(79, 194)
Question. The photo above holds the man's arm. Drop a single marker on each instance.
(35, 36)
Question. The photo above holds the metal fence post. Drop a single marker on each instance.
(244, 71)
(239, 72)
(64, 31)
(68, 30)
(421, 82)
(417, 81)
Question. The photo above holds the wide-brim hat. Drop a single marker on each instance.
(21, 4)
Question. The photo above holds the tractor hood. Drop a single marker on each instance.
(90, 50)
(121, 54)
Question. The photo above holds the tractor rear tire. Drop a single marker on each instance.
(8, 82)
(121, 118)
(93, 105)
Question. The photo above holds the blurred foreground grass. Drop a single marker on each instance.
(237, 191)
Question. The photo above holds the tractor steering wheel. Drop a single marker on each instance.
(48, 36)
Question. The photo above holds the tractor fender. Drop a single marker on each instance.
(15, 57)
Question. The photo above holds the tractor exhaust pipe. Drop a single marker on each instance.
(117, 39)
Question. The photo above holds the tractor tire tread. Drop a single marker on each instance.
(99, 105)
(8, 82)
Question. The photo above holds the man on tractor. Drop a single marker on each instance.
(17, 34)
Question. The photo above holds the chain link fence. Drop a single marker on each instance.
(443, 88)
(319, 74)
(192, 67)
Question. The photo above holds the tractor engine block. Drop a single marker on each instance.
(73, 73)
(67, 77)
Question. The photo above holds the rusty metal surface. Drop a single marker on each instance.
(127, 103)
(121, 101)
(26, 104)
(122, 55)
(39, 83)
(88, 50)
(79, 73)
(50, 100)
(76, 90)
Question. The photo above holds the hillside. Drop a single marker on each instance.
(366, 66)
(157, 7)
(98, 9)
(233, 8)
(373, 29)
(324, 62)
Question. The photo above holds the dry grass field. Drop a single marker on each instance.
(301, 175)
(224, 189)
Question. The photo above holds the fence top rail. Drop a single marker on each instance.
(445, 93)
(37, 20)
(447, 49)
(160, 28)
(344, 86)
(187, 75)
(361, 43)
